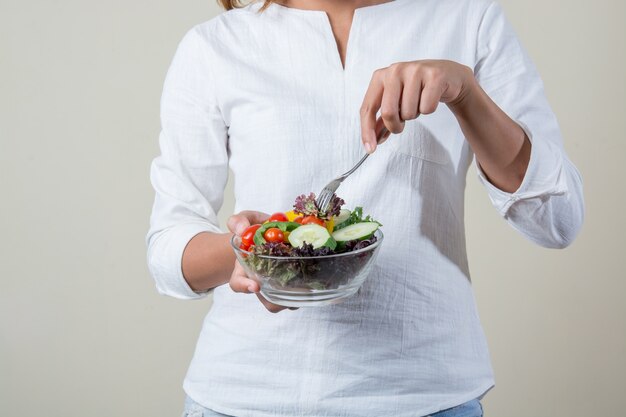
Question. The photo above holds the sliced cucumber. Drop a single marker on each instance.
(357, 231)
(312, 234)
(343, 215)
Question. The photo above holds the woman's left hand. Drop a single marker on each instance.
(404, 90)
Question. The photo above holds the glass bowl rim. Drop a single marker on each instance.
(379, 239)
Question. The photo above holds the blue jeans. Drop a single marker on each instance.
(469, 409)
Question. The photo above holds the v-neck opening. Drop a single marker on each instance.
(312, 11)
(343, 66)
(351, 33)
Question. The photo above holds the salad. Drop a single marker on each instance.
(288, 250)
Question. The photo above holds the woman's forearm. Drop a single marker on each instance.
(208, 261)
(501, 146)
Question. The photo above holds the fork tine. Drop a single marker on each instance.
(326, 203)
(323, 194)
(322, 202)
(324, 198)
(326, 195)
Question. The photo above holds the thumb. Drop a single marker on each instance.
(238, 223)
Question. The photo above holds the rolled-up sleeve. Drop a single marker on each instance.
(548, 207)
(190, 174)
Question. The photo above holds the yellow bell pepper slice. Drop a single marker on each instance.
(330, 225)
(291, 215)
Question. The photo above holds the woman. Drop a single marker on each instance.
(287, 94)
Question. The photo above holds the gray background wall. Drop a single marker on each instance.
(82, 330)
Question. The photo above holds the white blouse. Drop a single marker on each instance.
(266, 95)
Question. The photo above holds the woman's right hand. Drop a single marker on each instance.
(239, 280)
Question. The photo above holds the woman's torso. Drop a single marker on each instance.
(410, 340)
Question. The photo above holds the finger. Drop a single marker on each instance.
(390, 106)
(272, 308)
(380, 127)
(237, 223)
(409, 106)
(429, 100)
(240, 282)
(369, 109)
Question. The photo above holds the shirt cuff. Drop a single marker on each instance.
(165, 259)
(544, 176)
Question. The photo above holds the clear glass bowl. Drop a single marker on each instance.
(299, 281)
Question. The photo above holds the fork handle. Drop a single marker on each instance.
(381, 135)
(354, 168)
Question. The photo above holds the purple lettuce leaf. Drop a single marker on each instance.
(306, 205)
(334, 207)
(307, 250)
(353, 245)
(273, 249)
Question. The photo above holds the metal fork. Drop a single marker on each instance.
(326, 195)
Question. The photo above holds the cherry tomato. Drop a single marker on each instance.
(298, 220)
(248, 249)
(278, 217)
(274, 234)
(313, 220)
(247, 238)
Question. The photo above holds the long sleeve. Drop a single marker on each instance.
(190, 174)
(548, 207)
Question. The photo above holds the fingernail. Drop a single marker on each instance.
(368, 147)
(251, 288)
(240, 228)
